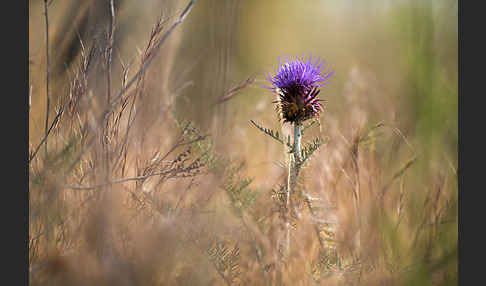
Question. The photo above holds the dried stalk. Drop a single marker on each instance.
(48, 98)
(110, 107)
(108, 55)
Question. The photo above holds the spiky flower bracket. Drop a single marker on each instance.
(296, 82)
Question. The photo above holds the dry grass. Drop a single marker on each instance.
(132, 192)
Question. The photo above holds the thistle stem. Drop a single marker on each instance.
(297, 140)
(294, 167)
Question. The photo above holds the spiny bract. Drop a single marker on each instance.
(296, 82)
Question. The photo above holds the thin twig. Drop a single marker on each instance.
(54, 122)
(121, 180)
(233, 91)
(138, 178)
(109, 109)
(133, 95)
(86, 61)
(110, 50)
(149, 60)
(48, 99)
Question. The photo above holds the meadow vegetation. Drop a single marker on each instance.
(145, 166)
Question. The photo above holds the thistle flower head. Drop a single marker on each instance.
(296, 82)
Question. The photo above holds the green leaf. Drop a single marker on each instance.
(275, 135)
(309, 148)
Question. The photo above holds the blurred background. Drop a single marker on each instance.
(405, 50)
(395, 66)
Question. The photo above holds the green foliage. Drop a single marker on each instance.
(309, 148)
(242, 197)
(274, 134)
(203, 147)
(236, 186)
(432, 71)
(306, 151)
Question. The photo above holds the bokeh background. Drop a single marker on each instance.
(395, 65)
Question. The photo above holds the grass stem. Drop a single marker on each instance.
(48, 98)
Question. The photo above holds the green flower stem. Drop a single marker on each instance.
(297, 141)
(294, 168)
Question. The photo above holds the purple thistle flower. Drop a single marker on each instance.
(296, 83)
